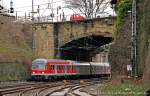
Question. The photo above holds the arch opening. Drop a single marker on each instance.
(83, 48)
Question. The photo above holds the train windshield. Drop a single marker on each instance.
(39, 65)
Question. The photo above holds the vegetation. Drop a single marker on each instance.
(13, 71)
(125, 89)
(122, 11)
(15, 49)
(88, 8)
(143, 39)
(15, 52)
(122, 39)
(120, 50)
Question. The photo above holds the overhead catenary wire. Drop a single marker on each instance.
(53, 8)
(37, 5)
(44, 4)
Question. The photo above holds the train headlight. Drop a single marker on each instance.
(33, 72)
(42, 72)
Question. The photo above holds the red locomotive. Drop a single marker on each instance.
(76, 17)
(56, 68)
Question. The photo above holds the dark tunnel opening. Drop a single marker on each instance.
(82, 48)
(75, 54)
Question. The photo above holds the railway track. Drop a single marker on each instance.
(71, 88)
(10, 84)
(20, 88)
(37, 91)
(31, 90)
(75, 90)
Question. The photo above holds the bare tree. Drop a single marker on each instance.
(89, 8)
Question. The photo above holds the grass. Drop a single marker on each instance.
(125, 89)
(15, 52)
(13, 71)
(14, 55)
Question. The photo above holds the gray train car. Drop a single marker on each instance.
(92, 68)
(82, 68)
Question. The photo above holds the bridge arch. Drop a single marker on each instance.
(81, 49)
(54, 40)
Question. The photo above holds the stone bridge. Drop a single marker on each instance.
(75, 40)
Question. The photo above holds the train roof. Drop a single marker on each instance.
(40, 60)
(99, 64)
(50, 60)
(55, 60)
(92, 63)
(82, 63)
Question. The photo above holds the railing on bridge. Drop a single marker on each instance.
(55, 19)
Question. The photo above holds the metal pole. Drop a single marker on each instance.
(135, 28)
(134, 40)
(25, 16)
(57, 13)
(16, 15)
(32, 10)
(52, 11)
(33, 35)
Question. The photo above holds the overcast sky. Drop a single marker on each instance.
(22, 6)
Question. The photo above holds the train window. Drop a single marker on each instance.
(68, 67)
(38, 66)
(34, 66)
(58, 67)
(62, 67)
(41, 66)
(52, 67)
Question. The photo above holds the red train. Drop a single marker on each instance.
(76, 17)
(57, 68)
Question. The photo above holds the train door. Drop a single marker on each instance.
(65, 68)
(60, 68)
(73, 68)
(51, 68)
(57, 69)
(70, 69)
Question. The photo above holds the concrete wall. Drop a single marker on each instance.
(44, 40)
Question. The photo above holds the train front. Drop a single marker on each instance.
(39, 69)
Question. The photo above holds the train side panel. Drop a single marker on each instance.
(100, 68)
(82, 68)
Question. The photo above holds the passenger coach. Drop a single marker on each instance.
(57, 68)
